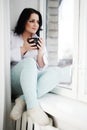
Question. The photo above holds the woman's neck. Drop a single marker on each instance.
(26, 35)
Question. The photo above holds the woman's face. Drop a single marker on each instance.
(32, 24)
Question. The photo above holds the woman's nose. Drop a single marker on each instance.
(35, 24)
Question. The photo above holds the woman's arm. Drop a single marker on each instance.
(42, 54)
(40, 60)
(17, 49)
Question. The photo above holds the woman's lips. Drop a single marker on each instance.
(34, 28)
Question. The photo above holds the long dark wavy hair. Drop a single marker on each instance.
(24, 17)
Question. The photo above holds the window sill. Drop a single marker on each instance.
(66, 109)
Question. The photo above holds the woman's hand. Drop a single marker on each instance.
(28, 47)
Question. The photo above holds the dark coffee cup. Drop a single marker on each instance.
(34, 40)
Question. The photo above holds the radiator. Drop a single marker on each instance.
(25, 123)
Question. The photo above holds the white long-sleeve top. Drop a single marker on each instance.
(16, 43)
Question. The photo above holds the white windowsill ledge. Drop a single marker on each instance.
(66, 109)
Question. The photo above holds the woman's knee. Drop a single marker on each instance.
(29, 62)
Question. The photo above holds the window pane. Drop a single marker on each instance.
(65, 31)
(60, 34)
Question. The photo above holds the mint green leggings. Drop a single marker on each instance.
(26, 80)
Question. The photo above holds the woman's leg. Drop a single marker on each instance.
(26, 77)
(48, 79)
(22, 71)
(24, 81)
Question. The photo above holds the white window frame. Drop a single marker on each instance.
(61, 90)
(42, 8)
(82, 82)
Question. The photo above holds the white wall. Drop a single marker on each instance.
(2, 84)
(16, 6)
(4, 64)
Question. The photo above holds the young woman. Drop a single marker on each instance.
(30, 75)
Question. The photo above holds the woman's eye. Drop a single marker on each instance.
(31, 21)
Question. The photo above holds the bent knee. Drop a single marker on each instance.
(29, 62)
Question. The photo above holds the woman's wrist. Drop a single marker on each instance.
(40, 52)
(40, 59)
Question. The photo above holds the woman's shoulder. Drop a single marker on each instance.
(14, 36)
